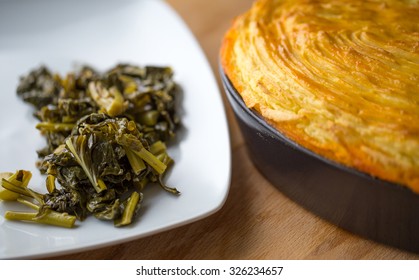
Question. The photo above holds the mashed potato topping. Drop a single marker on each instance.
(340, 78)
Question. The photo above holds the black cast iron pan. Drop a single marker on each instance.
(373, 208)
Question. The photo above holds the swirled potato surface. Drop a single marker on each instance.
(337, 77)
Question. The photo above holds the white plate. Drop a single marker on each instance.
(60, 34)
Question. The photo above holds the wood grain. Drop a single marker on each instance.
(257, 221)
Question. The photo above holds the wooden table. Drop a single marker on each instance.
(257, 221)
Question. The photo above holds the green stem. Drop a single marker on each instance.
(55, 127)
(50, 183)
(28, 203)
(135, 145)
(137, 164)
(23, 191)
(157, 147)
(153, 161)
(50, 218)
(129, 210)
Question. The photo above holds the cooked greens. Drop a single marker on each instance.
(14, 188)
(106, 140)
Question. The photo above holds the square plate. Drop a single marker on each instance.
(61, 34)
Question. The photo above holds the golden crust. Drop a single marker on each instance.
(340, 78)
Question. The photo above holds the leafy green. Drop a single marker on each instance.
(40, 88)
(105, 136)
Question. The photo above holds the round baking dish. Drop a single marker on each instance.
(373, 208)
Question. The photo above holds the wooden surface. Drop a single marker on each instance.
(257, 221)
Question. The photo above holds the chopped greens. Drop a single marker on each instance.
(106, 136)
